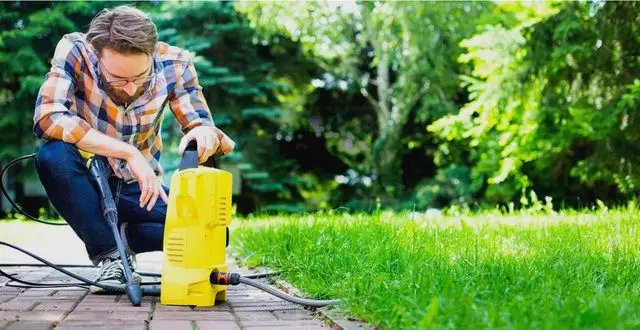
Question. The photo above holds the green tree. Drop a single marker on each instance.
(244, 80)
(553, 104)
(399, 56)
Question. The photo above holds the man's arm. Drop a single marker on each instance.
(56, 119)
(190, 109)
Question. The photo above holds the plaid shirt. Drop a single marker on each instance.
(72, 100)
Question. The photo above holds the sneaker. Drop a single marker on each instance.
(112, 274)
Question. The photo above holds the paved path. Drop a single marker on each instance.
(246, 308)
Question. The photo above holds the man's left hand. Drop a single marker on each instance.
(207, 141)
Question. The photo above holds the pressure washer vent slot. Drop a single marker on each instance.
(222, 210)
(175, 248)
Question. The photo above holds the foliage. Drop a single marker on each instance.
(552, 105)
(243, 80)
(379, 52)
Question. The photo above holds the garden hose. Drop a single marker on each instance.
(146, 288)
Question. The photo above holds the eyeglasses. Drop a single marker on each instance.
(124, 82)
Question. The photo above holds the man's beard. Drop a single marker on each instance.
(120, 97)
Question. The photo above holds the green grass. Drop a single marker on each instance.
(569, 270)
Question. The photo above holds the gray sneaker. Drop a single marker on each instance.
(112, 274)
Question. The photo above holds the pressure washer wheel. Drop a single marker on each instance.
(227, 244)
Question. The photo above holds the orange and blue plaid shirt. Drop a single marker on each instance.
(72, 100)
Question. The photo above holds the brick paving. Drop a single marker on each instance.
(76, 308)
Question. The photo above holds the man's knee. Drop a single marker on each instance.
(55, 154)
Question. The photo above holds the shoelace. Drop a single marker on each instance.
(113, 271)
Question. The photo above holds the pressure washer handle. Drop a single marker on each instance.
(190, 157)
(100, 172)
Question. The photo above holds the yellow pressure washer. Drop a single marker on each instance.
(196, 234)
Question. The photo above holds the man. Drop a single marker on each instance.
(105, 94)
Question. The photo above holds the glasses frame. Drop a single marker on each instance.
(123, 82)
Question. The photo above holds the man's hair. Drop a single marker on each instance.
(124, 29)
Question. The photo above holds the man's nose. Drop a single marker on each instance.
(130, 88)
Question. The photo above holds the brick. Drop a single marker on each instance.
(4, 297)
(107, 315)
(172, 308)
(281, 323)
(38, 293)
(102, 325)
(217, 325)
(260, 302)
(242, 299)
(124, 300)
(53, 316)
(112, 308)
(8, 316)
(294, 315)
(256, 316)
(70, 293)
(99, 298)
(195, 316)
(215, 308)
(30, 325)
(66, 306)
(266, 308)
(170, 325)
(47, 299)
(17, 305)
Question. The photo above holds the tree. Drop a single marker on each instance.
(399, 56)
(244, 79)
(553, 104)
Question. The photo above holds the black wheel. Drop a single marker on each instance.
(227, 244)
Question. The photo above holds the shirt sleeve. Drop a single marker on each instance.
(55, 117)
(191, 110)
(188, 103)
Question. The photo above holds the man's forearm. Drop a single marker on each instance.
(98, 143)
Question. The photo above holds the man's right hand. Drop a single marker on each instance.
(150, 185)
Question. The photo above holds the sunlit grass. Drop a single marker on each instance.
(568, 270)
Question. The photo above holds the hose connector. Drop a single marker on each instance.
(223, 278)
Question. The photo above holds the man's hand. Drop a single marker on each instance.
(150, 184)
(207, 141)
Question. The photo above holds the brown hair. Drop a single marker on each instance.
(124, 29)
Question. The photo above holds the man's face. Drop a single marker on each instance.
(126, 76)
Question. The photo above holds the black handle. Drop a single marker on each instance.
(100, 172)
(190, 157)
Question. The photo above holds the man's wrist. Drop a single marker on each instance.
(130, 152)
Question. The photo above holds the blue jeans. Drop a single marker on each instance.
(66, 180)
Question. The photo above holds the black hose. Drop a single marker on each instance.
(66, 272)
(4, 169)
(282, 295)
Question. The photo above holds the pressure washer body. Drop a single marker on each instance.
(195, 234)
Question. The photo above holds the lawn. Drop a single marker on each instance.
(537, 271)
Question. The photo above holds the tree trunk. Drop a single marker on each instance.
(386, 148)
(388, 161)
